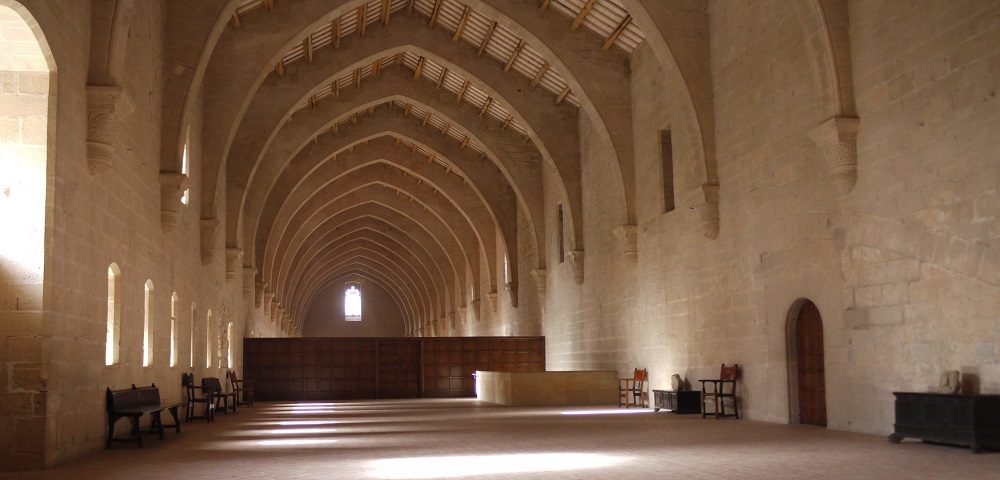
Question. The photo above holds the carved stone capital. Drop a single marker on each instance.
(707, 205)
(629, 234)
(234, 260)
(511, 288)
(106, 106)
(837, 139)
(209, 227)
(575, 259)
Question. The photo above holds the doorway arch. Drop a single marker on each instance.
(806, 364)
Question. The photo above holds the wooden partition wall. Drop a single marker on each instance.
(344, 368)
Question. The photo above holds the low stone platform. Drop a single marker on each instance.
(548, 389)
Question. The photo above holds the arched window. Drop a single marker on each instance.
(147, 326)
(112, 343)
(506, 269)
(208, 339)
(352, 303)
(229, 345)
(194, 315)
(173, 330)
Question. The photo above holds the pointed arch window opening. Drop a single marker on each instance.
(185, 168)
(174, 339)
(113, 340)
(147, 326)
(352, 303)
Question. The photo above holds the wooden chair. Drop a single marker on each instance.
(196, 395)
(219, 394)
(719, 393)
(634, 387)
(243, 388)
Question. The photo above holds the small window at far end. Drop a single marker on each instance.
(352, 304)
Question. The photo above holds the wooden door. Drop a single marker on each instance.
(812, 382)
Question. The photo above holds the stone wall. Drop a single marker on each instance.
(380, 317)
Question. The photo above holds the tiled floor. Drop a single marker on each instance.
(464, 438)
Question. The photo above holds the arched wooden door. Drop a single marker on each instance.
(809, 350)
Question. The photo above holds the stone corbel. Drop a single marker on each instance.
(234, 257)
(511, 288)
(491, 297)
(539, 275)
(575, 259)
(837, 139)
(209, 227)
(106, 106)
(249, 273)
(258, 288)
(628, 233)
(477, 309)
(172, 186)
(707, 205)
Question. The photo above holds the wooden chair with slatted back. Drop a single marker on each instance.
(632, 391)
(722, 389)
(243, 389)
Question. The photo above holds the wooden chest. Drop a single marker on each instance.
(970, 420)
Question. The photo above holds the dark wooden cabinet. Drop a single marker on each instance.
(680, 401)
(970, 420)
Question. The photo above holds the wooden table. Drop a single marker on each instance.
(677, 401)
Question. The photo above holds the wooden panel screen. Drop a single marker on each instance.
(356, 368)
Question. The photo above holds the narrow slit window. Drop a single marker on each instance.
(194, 315)
(147, 326)
(560, 236)
(506, 269)
(112, 345)
(173, 330)
(229, 345)
(208, 340)
(667, 167)
(185, 169)
(352, 304)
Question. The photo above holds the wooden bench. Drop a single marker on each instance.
(133, 403)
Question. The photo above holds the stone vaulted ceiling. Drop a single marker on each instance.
(406, 142)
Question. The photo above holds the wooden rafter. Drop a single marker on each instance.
(280, 68)
(385, 12)
(236, 19)
(409, 7)
(538, 76)
(465, 141)
(308, 47)
(617, 33)
(335, 88)
(337, 34)
(269, 5)
(562, 96)
(513, 56)
(376, 66)
(444, 72)
(427, 118)
(312, 102)
(544, 6)
(461, 93)
(487, 37)
(461, 24)
(506, 121)
(363, 18)
(420, 68)
(435, 13)
(583, 14)
(486, 106)
(357, 77)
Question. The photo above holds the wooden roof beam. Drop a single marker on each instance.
(617, 33)
(385, 12)
(538, 76)
(461, 93)
(461, 24)
(514, 55)
(486, 106)
(363, 18)
(427, 118)
(420, 68)
(583, 14)
(487, 38)
(337, 33)
(236, 19)
(544, 6)
(308, 47)
(280, 68)
(269, 5)
(562, 96)
(444, 72)
(435, 13)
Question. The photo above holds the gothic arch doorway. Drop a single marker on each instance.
(806, 372)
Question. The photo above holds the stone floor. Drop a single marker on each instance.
(465, 438)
